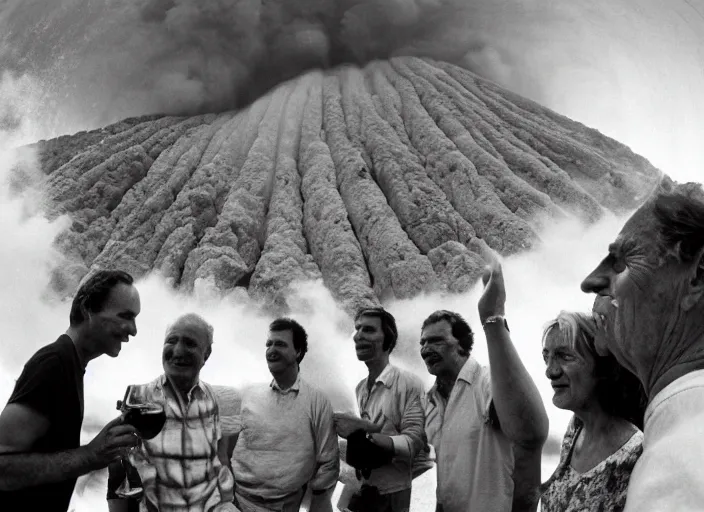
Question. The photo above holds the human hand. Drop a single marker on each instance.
(112, 442)
(345, 424)
(493, 299)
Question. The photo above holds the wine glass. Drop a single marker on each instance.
(146, 414)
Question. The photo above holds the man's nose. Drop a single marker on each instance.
(179, 349)
(132, 328)
(596, 281)
(357, 336)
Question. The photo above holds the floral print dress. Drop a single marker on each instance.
(602, 488)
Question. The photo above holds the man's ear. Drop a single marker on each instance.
(695, 288)
(85, 312)
(207, 353)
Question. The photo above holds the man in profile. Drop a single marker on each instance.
(185, 467)
(650, 312)
(389, 401)
(40, 427)
(287, 443)
(487, 425)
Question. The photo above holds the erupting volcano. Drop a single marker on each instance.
(384, 181)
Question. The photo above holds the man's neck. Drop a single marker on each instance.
(182, 388)
(445, 381)
(375, 367)
(677, 371)
(287, 378)
(690, 360)
(85, 355)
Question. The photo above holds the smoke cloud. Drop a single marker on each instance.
(632, 71)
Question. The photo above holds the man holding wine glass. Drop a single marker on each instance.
(182, 462)
(40, 427)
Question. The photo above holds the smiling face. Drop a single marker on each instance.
(571, 374)
(638, 292)
(186, 348)
(440, 350)
(112, 326)
(369, 338)
(281, 354)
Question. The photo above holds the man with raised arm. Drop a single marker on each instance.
(650, 312)
(40, 427)
(487, 425)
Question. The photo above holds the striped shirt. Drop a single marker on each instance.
(180, 468)
(287, 441)
(395, 403)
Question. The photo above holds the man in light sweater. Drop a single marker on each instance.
(650, 310)
(287, 443)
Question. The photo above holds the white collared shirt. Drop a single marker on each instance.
(474, 458)
(395, 403)
(670, 473)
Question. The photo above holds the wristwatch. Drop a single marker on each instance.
(495, 320)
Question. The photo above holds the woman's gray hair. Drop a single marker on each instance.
(578, 329)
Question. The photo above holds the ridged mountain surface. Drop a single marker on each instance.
(384, 181)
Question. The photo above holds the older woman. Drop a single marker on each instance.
(602, 443)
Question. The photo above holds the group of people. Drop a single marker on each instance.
(631, 371)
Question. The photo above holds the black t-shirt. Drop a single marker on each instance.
(51, 384)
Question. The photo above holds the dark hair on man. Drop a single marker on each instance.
(680, 214)
(388, 325)
(93, 293)
(300, 337)
(460, 328)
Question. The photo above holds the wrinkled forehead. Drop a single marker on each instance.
(641, 229)
(188, 327)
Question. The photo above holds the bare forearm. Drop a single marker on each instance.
(22, 470)
(516, 398)
(526, 479)
(322, 502)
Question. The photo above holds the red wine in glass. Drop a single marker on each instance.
(149, 419)
(146, 416)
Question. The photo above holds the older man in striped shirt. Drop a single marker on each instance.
(184, 468)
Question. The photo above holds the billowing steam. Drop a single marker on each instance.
(633, 72)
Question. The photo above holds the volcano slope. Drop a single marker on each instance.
(384, 181)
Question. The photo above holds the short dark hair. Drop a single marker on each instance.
(460, 328)
(388, 325)
(93, 293)
(300, 337)
(680, 215)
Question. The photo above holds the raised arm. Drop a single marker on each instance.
(518, 405)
